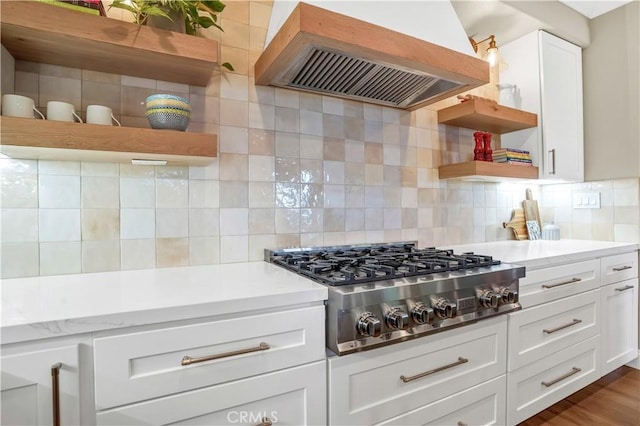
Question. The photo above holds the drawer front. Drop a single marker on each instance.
(295, 396)
(374, 386)
(619, 268)
(557, 282)
(542, 330)
(537, 386)
(619, 324)
(480, 405)
(148, 364)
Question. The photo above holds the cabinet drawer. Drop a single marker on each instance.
(148, 364)
(368, 387)
(557, 282)
(619, 268)
(295, 396)
(537, 386)
(480, 405)
(542, 330)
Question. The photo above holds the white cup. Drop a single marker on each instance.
(100, 114)
(19, 106)
(61, 111)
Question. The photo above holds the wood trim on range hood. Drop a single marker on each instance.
(425, 72)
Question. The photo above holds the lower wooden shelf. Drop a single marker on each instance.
(486, 171)
(58, 140)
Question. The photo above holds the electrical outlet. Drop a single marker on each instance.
(586, 200)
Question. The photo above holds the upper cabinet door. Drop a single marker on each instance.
(548, 74)
(561, 108)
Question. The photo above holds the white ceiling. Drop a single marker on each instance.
(591, 8)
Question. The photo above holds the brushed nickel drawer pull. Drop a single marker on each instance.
(435, 370)
(625, 288)
(571, 281)
(574, 370)
(187, 360)
(55, 390)
(462, 424)
(265, 422)
(622, 268)
(553, 330)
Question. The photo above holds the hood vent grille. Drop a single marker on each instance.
(343, 75)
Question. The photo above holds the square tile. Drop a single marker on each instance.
(58, 258)
(204, 251)
(204, 194)
(100, 256)
(59, 225)
(137, 254)
(234, 249)
(234, 194)
(262, 168)
(20, 260)
(137, 224)
(204, 222)
(19, 225)
(172, 193)
(99, 192)
(172, 223)
(234, 140)
(137, 193)
(100, 224)
(172, 252)
(234, 221)
(59, 191)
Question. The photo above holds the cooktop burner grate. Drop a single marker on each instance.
(340, 266)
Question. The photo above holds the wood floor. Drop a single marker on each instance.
(614, 400)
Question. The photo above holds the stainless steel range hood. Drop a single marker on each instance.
(322, 51)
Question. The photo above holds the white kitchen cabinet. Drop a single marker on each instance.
(28, 386)
(483, 404)
(134, 366)
(381, 384)
(533, 388)
(294, 396)
(545, 329)
(548, 74)
(619, 324)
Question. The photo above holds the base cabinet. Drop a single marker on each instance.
(619, 324)
(533, 388)
(293, 396)
(28, 387)
(480, 405)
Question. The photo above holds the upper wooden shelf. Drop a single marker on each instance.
(487, 116)
(59, 140)
(39, 32)
(486, 171)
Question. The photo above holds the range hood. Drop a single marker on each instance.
(322, 51)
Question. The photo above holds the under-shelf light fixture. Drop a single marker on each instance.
(492, 50)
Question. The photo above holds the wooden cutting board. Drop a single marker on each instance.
(532, 217)
(518, 224)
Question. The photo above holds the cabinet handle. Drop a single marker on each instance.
(552, 155)
(622, 268)
(574, 370)
(461, 424)
(625, 288)
(435, 370)
(265, 422)
(187, 360)
(553, 330)
(571, 281)
(55, 390)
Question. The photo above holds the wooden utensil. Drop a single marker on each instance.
(517, 224)
(532, 216)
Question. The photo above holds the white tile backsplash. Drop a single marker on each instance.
(19, 225)
(58, 258)
(137, 223)
(56, 192)
(59, 225)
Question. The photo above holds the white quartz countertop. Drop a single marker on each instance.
(541, 253)
(53, 306)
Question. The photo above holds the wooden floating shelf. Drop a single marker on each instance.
(487, 116)
(58, 140)
(486, 171)
(39, 32)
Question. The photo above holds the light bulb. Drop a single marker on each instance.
(492, 55)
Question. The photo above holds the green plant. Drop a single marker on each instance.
(193, 19)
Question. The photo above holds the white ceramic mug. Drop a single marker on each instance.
(100, 114)
(19, 106)
(61, 111)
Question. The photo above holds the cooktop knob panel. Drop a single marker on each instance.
(368, 325)
(397, 318)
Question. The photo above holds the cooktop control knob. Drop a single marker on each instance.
(445, 309)
(397, 318)
(508, 295)
(368, 325)
(422, 314)
(489, 299)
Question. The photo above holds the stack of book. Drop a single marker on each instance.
(513, 156)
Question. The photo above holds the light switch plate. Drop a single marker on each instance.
(586, 200)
